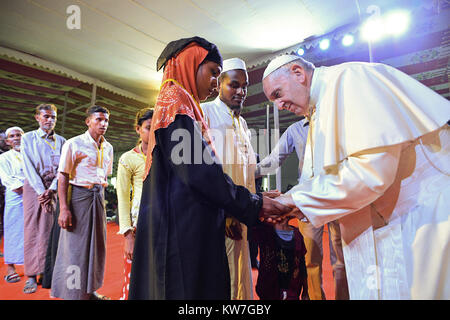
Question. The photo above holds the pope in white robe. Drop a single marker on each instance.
(377, 159)
(231, 139)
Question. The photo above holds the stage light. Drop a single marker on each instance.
(348, 40)
(372, 29)
(300, 51)
(324, 44)
(397, 22)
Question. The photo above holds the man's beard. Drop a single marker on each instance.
(48, 127)
(236, 108)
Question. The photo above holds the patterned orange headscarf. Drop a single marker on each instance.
(178, 95)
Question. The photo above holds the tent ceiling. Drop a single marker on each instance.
(119, 41)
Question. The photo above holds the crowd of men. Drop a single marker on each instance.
(54, 204)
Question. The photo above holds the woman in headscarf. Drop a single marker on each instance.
(179, 248)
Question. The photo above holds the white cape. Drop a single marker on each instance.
(394, 220)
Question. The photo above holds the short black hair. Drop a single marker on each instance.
(95, 108)
(143, 115)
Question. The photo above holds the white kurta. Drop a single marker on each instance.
(230, 136)
(378, 159)
(12, 176)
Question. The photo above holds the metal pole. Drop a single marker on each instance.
(276, 125)
(94, 94)
(268, 139)
(64, 113)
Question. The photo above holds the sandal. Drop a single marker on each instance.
(96, 296)
(30, 286)
(39, 279)
(12, 278)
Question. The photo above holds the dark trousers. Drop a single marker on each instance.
(52, 249)
(2, 208)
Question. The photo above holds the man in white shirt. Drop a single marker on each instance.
(294, 138)
(231, 140)
(40, 150)
(11, 173)
(3, 148)
(86, 161)
(377, 159)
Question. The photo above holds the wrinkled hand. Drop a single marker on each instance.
(272, 194)
(65, 219)
(272, 211)
(18, 190)
(46, 200)
(129, 244)
(233, 229)
(287, 200)
(46, 197)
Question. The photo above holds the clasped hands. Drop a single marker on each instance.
(278, 207)
(46, 199)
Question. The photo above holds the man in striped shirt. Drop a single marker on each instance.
(40, 150)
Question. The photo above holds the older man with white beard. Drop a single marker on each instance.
(12, 176)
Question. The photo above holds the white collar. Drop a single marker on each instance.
(223, 106)
(42, 134)
(89, 137)
(317, 84)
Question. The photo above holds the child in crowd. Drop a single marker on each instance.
(282, 270)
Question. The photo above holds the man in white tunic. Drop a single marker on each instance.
(378, 159)
(11, 173)
(230, 134)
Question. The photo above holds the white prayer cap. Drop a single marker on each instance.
(279, 62)
(11, 129)
(233, 64)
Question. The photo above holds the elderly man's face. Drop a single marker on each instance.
(288, 89)
(46, 119)
(14, 138)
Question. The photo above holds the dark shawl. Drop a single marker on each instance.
(179, 250)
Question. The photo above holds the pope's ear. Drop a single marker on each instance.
(299, 72)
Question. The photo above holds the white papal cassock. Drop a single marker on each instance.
(378, 159)
(231, 141)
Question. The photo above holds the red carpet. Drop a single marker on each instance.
(114, 273)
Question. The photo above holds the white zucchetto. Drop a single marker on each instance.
(278, 62)
(11, 129)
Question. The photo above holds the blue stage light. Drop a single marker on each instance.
(348, 40)
(324, 44)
